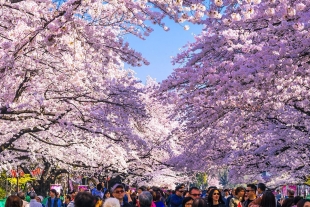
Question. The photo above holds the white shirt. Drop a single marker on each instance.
(25, 203)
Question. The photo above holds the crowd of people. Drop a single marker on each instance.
(120, 196)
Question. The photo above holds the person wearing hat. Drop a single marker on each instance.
(40, 199)
(33, 202)
(53, 201)
(118, 192)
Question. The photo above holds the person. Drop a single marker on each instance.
(194, 192)
(13, 201)
(141, 189)
(303, 203)
(134, 199)
(40, 199)
(250, 192)
(98, 202)
(235, 201)
(268, 198)
(289, 202)
(71, 203)
(261, 188)
(162, 195)
(106, 195)
(67, 200)
(118, 192)
(215, 199)
(199, 202)
(98, 191)
(296, 200)
(187, 202)
(84, 199)
(209, 190)
(226, 195)
(156, 198)
(278, 196)
(111, 202)
(53, 201)
(22, 196)
(33, 202)
(230, 197)
(30, 190)
(169, 198)
(176, 199)
(145, 199)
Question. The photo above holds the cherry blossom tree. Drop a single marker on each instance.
(241, 90)
(156, 132)
(64, 90)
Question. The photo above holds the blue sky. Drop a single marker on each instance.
(159, 47)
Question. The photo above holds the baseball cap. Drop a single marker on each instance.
(117, 185)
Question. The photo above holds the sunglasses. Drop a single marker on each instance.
(249, 190)
(119, 191)
(216, 194)
(196, 195)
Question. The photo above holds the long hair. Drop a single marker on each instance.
(13, 201)
(210, 200)
(302, 202)
(105, 194)
(268, 200)
(297, 199)
(238, 190)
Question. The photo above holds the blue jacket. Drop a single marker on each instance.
(227, 201)
(159, 204)
(53, 204)
(176, 201)
(97, 193)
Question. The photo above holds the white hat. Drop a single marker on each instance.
(41, 198)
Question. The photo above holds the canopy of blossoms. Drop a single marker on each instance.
(241, 90)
